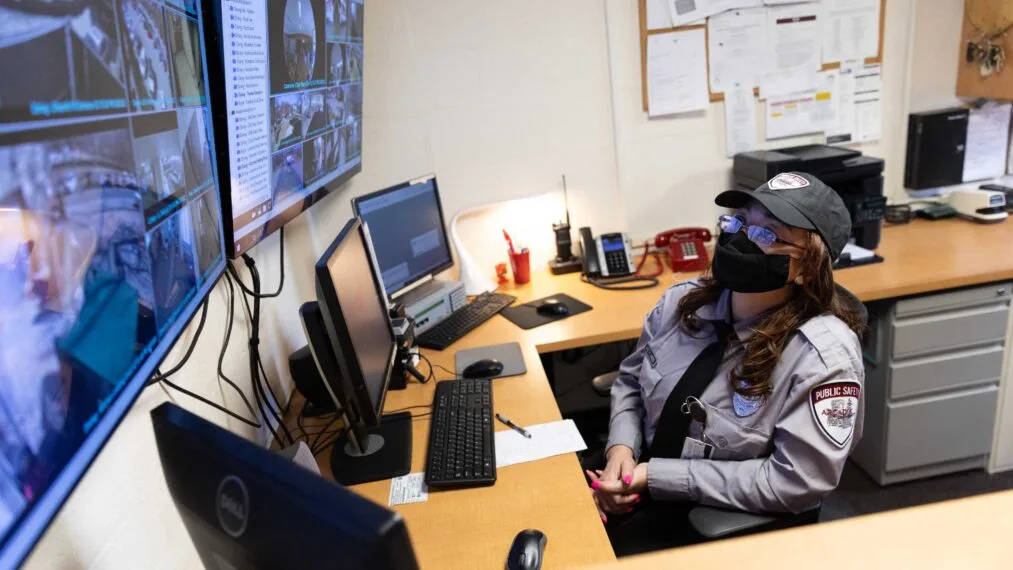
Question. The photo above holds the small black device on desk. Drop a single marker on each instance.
(485, 368)
(527, 550)
(552, 307)
(462, 450)
(565, 261)
(464, 320)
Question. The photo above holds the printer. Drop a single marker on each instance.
(857, 178)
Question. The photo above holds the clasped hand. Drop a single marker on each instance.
(616, 489)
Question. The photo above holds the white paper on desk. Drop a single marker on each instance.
(794, 44)
(851, 30)
(736, 41)
(410, 488)
(687, 12)
(676, 73)
(857, 253)
(658, 15)
(844, 130)
(987, 141)
(740, 120)
(868, 105)
(547, 440)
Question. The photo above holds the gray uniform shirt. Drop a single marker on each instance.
(780, 453)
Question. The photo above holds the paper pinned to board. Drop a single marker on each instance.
(987, 141)
(740, 120)
(410, 488)
(868, 103)
(658, 15)
(806, 112)
(676, 73)
(843, 131)
(688, 12)
(794, 44)
(736, 41)
(851, 30)
(547, 440)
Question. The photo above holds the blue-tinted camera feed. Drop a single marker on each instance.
(109, 218)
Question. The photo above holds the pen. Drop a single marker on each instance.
(506, 421)
(510, 242)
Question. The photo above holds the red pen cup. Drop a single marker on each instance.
(520, 264)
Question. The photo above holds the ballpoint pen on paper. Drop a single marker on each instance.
(506, 421)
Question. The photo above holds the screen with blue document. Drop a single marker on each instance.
(110, 230)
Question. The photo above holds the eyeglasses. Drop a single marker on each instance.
(761, 236)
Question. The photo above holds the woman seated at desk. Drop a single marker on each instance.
(745, 390)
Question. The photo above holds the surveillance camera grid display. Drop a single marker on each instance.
(109, 218)
(314, 107)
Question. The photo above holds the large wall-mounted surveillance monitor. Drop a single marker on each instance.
(288, 107)
(110, 230)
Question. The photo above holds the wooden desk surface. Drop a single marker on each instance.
(964, 533)
(473, 528)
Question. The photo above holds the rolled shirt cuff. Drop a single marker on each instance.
(669, 480)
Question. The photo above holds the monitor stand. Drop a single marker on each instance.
(386, 452)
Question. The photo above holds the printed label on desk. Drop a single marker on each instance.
(410, 488)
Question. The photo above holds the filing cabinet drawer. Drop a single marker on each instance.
(953, 299)
(940, 428)
(951, 370)
(954, 329)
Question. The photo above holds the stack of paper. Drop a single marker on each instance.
(553, 438)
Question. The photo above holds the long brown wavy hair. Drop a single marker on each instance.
(815, 296)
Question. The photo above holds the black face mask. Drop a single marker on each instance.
(740, 265)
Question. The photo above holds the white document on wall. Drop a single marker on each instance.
(851, 30)
(987, 141)
(677, 73)
(805, 112)
(735, 47)
(686, 12)
(843, 131)
(794, 44)
(658, 15)
(868, 103)
(740, 119)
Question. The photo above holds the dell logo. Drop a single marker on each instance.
(232, 505)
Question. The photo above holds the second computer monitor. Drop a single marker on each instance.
(407, 231)
(356, 318)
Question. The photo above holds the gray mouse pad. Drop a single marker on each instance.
(527, 316)
(509, 354)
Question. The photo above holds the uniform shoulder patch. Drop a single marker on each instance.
(787, 181)
(835, 407)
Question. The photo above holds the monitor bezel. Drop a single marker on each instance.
(356, 390)
(218, 102)
(443, 226)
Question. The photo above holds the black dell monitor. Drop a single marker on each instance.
(356, 320)
(247, 507)
(408, 235)
(287, 107)
(110, 231)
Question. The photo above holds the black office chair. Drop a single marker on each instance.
(713, 523)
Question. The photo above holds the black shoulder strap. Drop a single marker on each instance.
(673, 424)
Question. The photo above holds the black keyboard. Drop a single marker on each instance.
(462, 321)
(461, 445)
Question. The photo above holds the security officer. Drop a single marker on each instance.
(746, 388)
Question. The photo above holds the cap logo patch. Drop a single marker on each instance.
(787, 181)
(835, 406)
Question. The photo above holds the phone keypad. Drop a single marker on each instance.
(689, 250)
(616, 262)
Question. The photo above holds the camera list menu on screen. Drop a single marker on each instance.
(294, 117)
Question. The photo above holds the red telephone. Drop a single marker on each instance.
(686, 251)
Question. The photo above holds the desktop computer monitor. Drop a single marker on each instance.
(110, 231)
(247, 507)
(408, 234)
(287, 107)
(357, 324)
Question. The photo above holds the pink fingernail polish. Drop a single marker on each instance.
(629, 510)
(627, 479)
(595, 485)
(603, 519)
(636, 500)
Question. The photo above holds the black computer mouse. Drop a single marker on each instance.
(527, 550)
(485, 368)
(553, 308)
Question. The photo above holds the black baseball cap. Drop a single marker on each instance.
(800, 200)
